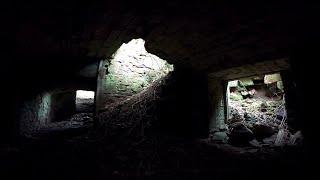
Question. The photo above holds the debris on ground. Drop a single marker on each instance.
(240, 134)
(76, 124)
(257, 114)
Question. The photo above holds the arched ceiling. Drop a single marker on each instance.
(205, 35)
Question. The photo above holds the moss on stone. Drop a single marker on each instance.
(236, 97)
(272, 78)
(246, 81)
(130, 71)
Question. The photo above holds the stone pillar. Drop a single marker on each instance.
(290, 97)
(226, 100)
(101, 84)
(217, 99)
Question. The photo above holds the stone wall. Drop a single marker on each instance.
(260, 68)
(63, 104)
(132, 69)
(176, 104)
(34, 113)
(184, 107)
(218, 101)
(42, 109)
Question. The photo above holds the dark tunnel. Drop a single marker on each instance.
(204, 89)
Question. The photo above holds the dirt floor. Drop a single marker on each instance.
(77, 124)
(154, 157)
(125, 146)
(85, 105)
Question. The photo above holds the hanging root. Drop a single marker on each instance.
(132, 116)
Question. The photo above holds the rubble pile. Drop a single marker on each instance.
(77, 124)
(256, 119)
(259, 118)
(257, 111)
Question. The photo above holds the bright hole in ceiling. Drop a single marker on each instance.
(132, 69)
(135, 53)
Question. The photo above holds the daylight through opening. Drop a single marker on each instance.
(84, 101)
(129, 71)
(257, 111)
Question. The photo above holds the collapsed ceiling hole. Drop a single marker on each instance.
(257, 112)
(52, 50)
(131, 70)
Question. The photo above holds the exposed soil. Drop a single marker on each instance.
(155, 157)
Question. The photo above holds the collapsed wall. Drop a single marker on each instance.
(131, 70)
(140, 90)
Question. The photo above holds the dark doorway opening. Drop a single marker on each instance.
(72, 114)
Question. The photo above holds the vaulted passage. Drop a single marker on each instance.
(158, 90)
(129, 73)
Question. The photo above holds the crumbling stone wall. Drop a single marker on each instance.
(44, 108)
(96, 29)
(34, 113)
(132, 69)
